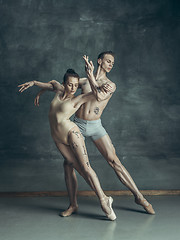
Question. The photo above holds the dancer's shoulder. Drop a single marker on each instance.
(82, 82)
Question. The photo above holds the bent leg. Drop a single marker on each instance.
(107, 149)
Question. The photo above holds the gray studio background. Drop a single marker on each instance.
(41, 39)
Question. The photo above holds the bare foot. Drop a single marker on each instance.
(69, 211)
(106, 205)
(146, 205)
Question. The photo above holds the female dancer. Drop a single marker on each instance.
(66, 134)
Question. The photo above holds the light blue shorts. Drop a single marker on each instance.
(93, 129)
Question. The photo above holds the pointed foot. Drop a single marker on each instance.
(107, 208)
(146, 205)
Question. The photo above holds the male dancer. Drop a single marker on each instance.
(88, 120)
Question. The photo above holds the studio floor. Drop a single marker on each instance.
(38, 218)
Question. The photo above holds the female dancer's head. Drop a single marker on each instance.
(71, 81)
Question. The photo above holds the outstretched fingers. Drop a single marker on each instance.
(92, 65)
(88, 65)
(25, 86)
(86, 58)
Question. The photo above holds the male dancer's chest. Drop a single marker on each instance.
(86, 87)
(91, 110)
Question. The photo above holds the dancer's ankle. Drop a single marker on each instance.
(74, 205)
(69, 211)
(104, 199)
(138, 197)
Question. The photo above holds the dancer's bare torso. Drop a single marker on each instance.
(59, 113)
(92, 110)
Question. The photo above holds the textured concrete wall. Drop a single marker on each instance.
(41, 39)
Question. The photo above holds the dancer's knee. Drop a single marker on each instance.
(110, 157)
(114, 162)
(110, 154)
(67, 165)
(86, 169)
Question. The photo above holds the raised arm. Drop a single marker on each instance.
(56, 87)
(102, 92)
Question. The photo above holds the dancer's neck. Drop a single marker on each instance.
(66, 96)
(100, 73)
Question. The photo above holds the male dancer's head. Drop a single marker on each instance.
(102, 54)
(106, 60)
(105, 63)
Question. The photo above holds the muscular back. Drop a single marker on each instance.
(93, 109)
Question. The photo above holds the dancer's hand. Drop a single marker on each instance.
(89, 67)
(25, 86)
(107, 87)
(36, 100)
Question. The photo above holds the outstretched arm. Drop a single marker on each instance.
(101, 92)
(51, 86)
(25, 86)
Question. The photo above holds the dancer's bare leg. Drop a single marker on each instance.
(107, 149)
(82, 165)
(71, 184)
(70, 178)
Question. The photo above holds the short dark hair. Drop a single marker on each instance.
(101, 55)
(70, 73)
